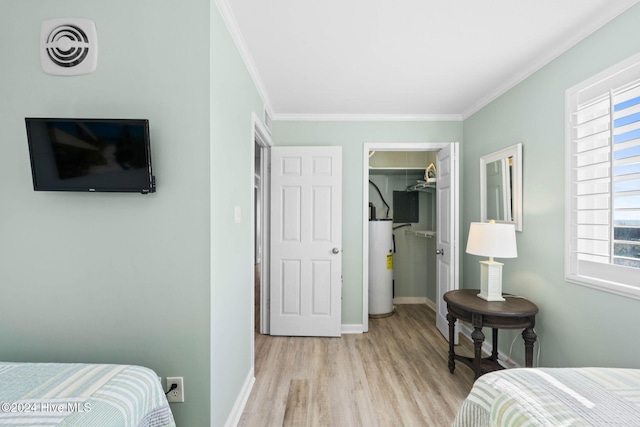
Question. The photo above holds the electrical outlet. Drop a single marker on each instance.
(177, 394)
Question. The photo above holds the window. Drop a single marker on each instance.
(602, 219)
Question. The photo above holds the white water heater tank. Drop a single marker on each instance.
(380, 268)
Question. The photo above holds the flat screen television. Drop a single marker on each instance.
(110, 155)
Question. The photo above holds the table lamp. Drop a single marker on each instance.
(492, 240)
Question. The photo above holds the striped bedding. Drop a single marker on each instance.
(74, 394)
(553, 397)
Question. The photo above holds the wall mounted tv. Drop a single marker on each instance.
(110, 155)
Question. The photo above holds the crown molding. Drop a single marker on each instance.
(588, 29)
(369, 117)
(232, 25)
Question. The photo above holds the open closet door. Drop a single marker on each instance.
(306, 241)
(446, 232)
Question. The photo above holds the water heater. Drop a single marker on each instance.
(380, 267)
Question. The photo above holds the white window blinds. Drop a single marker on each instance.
(603, 180)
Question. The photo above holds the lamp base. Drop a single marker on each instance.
(491, 281)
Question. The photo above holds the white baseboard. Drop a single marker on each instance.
(488, 347)
(352, 329)
(415, 300)
(241, 401)
(410, 300)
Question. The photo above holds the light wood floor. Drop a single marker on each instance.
(394, 375)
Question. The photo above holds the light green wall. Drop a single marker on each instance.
(233, 98)
(351, 136)
(578, 326)
(162, 280)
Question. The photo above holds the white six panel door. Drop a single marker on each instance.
(306, 241)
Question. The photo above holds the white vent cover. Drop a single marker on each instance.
(68, 46)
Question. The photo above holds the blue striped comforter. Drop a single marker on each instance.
(75, 394)
(553, 397)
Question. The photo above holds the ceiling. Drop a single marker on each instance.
(401, 59)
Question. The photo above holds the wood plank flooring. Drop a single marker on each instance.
(394, 375)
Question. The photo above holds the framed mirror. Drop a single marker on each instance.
(501, 186)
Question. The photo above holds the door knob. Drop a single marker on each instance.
(439, 251)
(335, 251)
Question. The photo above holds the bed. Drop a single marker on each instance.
(553, 397)
(74, 394)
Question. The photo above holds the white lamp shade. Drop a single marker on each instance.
(492, 240)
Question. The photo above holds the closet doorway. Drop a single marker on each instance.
(426, 234)
(260, 150)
